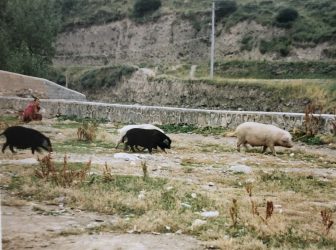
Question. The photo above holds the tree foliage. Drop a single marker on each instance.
(225, 8)
(143, 7)
(28, 30)
(287, 15)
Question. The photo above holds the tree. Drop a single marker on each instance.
(143, 7)
(29, 30)
(287, 15)
(225, 8)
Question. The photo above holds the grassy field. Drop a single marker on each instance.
(167, 193)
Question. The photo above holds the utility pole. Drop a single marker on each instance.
(66, 79)
(212, 41)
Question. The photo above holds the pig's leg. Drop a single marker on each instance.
(11, 148)
(4, 147)
(118, 144)
(272, 149)
(264, 149)
(240, 141)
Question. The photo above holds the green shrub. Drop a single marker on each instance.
(105, 77)
(225, 8)
(287, 15)
(247, 43)
(280, 45)
(143, 7)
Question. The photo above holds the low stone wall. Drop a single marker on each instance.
(12, 84)
(135, 114)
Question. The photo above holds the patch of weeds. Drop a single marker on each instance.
(128, 183)
(237, 231)
(68, 125)
(294, 182)
(16, 183)
(104, 144)
(216, 148)
(293, 239)
(187, 169)
(169, 200)
(189, 163)
(9, 119)
(312, 140)
(73, 146)
(197, 201)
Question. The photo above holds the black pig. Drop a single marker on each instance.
(22, 138)
(147, 138)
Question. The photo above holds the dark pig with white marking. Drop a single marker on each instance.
(22, 138)
(147, 138)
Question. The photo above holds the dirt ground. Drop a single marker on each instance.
(38, 225)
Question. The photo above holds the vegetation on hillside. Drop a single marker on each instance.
(93, 78)
(306, 21)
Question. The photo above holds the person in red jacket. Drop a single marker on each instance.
(31, 112)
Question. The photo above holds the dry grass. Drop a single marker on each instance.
(276, 210)
(61, 176)
(87, 131)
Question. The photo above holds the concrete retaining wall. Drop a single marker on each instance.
(12, 84)
(135, 114)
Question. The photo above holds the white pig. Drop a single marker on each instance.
(266, 135)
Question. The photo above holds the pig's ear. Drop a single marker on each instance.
(165, 141)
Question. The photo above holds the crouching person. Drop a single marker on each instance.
(31, 112)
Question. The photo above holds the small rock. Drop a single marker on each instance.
(197, 223)
(209, 214)
(92, 225)
(185, 205)
(179, 231)
(125, 156)
(167, 228)
(291, 154)
(240, 169)
(141, 196)
(211, 184)
(193, 195)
